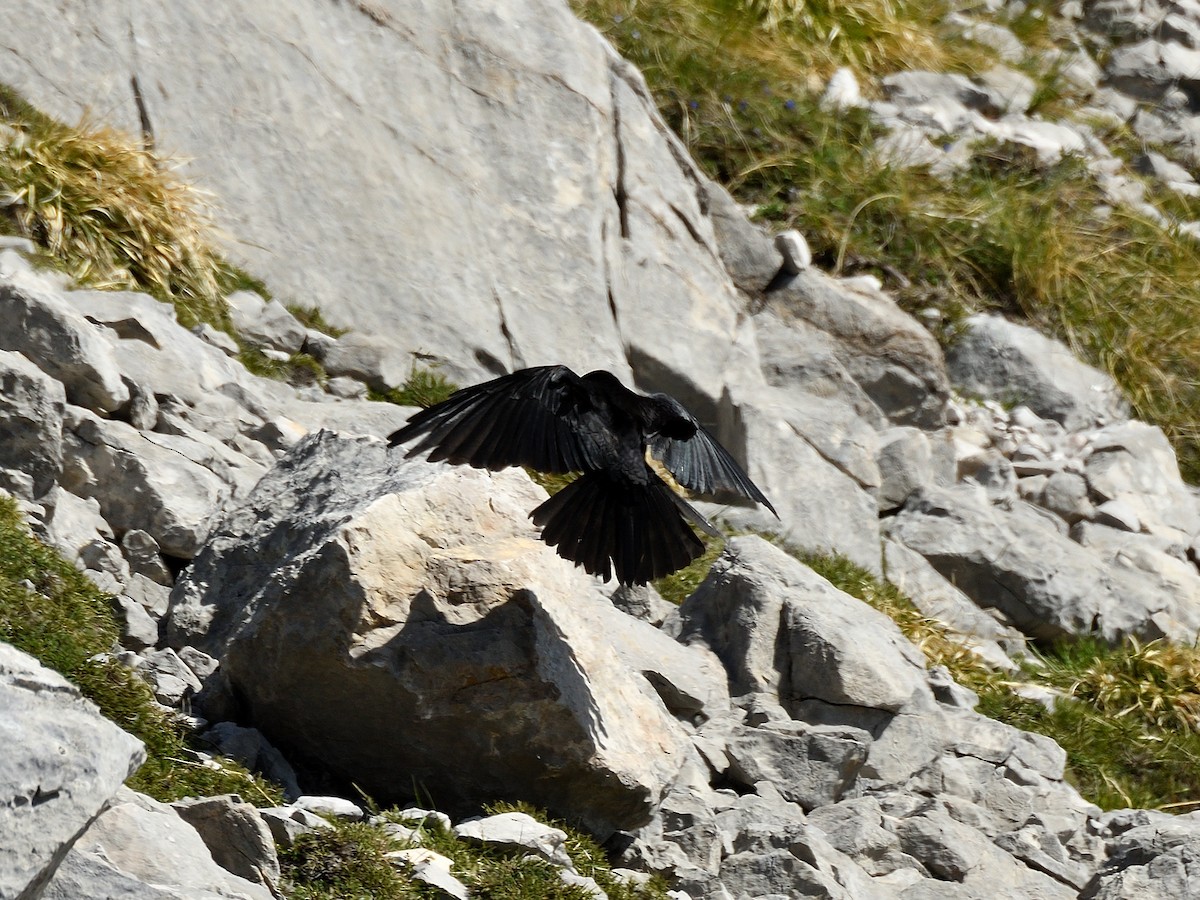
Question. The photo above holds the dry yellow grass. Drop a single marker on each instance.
(108, 212)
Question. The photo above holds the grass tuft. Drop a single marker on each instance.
(424, 388)
(350, 860)
(1156, 683)
(312, 317)
(110, 213)
(298, 369)
(681, 584)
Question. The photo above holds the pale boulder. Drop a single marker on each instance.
(422, 590)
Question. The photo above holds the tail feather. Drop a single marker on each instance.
(606, 525)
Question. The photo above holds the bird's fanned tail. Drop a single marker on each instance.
(607, 526)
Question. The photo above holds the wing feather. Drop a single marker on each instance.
(701, 464)
(535, 417)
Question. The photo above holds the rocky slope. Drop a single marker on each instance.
(387, 623)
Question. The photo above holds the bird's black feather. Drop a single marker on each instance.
(618, 516)
(702, 465)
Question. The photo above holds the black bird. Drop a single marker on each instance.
(619, 515)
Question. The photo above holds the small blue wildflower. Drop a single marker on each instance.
(693, 104)
(635, 34)
(789, 105)
(743, 105)
(618, 18)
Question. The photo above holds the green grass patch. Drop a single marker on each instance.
(681, 584)
(1128, 717)
(424, 388)
(53, 612)
(110, 213)
(743, 48)
(346, 862)
(1114, 761)
(350, 861)
(298, 369)
(313, 317)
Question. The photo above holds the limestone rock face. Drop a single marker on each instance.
(236, 835)
(781, 628)
(895, 361)
(815, 460)
(31, 412)
(145, 481)
(1151, 855)
(141, 849)
(62, 761)
(1049, 586)
(67, 347)
(456, 208)
(400, 623)
(1016, 364)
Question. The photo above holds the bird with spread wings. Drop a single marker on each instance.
(618, 516)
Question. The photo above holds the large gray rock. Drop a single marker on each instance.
(685, 833)
(1153, 560)
(905, 460)
(799, 357)
(31, 413)
(35, 320)
(140, 848)
(351, 581)
(153, 482)
(72, 523)
(812, 765)
(61, 764)
(152, 349)
(794, 860)
(236, 835)
(747, 252)
(275, 327)
(782, 629)
(947, 849)
(1047, 585)
(690, 681)
(1012, 363)
(896, 362)
(1133, 463)
(1151, 856)
(938, 598)
(815, 459)
(856, 827)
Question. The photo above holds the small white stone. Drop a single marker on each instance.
(432, 869)
(843, 91)
(796, 253)
(330, 806)
(419, 818)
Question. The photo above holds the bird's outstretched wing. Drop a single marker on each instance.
(701, 464)
(540, 417)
